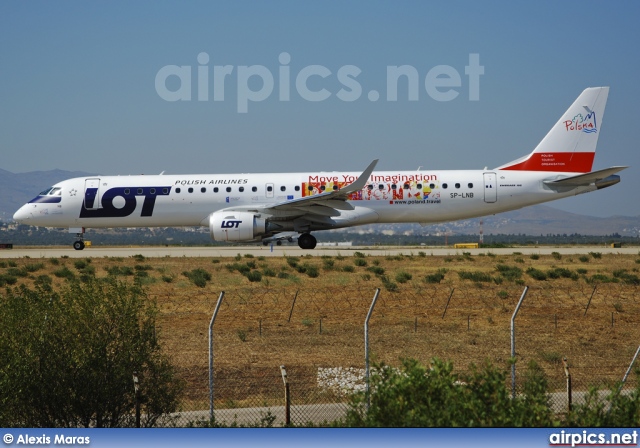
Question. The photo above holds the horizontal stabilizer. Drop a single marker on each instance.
(583, 180)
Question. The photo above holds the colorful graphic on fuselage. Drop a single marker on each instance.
(400, 187)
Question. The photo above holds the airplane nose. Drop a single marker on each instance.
(22, 215)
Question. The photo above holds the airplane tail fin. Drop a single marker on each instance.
(570, 146)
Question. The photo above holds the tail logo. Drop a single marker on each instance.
(584, 123)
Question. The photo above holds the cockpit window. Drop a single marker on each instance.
(45, 192)
(55, 192)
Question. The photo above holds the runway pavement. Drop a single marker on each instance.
(279, 251)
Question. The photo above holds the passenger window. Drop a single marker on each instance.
(127, 191)
(470, 185)
(322, 187)
(254, 189)
(283, 188)
(178, 190)
(370, 187)
(190, 190)
(444, 186)
(269, 188)
(139, 190)
(310, 188)
(297, 188)
(419, 186)
(432, 186)
(152, 191)
(228, 189)
(216, 189)
(165, 191)
(405, 186)
(241, 189)
(394, 186)
(203, 190)
(457, 185)
(335, 188)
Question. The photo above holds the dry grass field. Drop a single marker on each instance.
(309, 312)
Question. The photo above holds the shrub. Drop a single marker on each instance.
(376, 270)
(254, 276)
(198, 277)
(536, 274)
(403, 277)
(33, 267)
(312, 271)
(435, 396)
(595, 254)
(348, 268)
(475, 276)
(119, 270)
(360, 262)
(436, 277)
(510, 273)
(64, 272)
(91, 337)
(535, 257)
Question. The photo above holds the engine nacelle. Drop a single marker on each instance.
(236, 226)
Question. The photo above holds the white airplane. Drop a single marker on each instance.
(253, 207)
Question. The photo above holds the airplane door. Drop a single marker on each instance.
(490, 187)
(269, 190)
(91, 196)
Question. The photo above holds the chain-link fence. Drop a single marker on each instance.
(318, 336)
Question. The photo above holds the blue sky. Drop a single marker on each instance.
(78, 86)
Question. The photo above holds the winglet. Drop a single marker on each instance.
(361, 181)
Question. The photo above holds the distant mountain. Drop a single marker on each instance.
(17, 189)
(533, 220)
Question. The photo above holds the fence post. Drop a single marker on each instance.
(589, 302)
(624, 380)
(287, 397)
(568, 375)
(292, 305)
(448, 300)
(366, 347)
(213, 319)
(513, 343)
(136, 388)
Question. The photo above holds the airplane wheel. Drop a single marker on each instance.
(279, 243)
(78, 245)
(307, 241)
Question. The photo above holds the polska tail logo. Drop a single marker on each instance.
(584, 123)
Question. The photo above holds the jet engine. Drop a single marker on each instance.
(236, 226)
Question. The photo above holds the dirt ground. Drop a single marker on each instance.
(309, 312)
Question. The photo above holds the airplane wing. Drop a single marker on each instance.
(583, 180)
(327, 204)
(319, 208)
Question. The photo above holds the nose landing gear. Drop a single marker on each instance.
(79, 242)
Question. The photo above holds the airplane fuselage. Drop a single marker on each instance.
(188, 200)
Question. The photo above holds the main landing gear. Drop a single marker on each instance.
(307, 241)
(79, 242)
